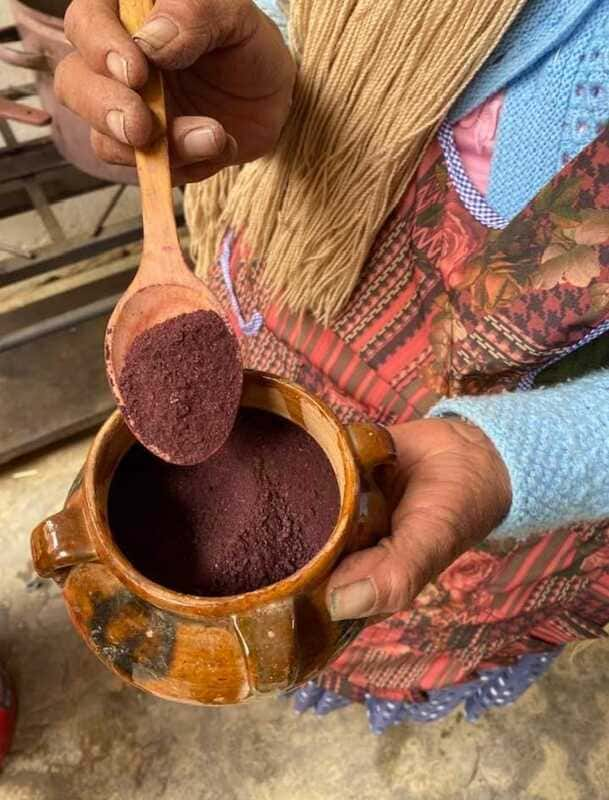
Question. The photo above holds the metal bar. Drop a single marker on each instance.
(16, 249)
(9, 34)
(45, 212)
(36, 193)
(59, 183)
(29, 159)
(60, 322)
(20, 112)
(18, 92)
(60, 434)
(73, 250)
(116, 196)
(9, 136)
(6, 133)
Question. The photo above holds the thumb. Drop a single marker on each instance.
(178, 32)
(457, 491)
(378, 580)
(430, 527)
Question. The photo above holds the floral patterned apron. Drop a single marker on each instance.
(447, 305)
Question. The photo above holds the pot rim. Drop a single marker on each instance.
(313, 572)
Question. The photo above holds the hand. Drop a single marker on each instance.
(228, 80)
(457, 492)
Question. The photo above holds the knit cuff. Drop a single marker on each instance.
(555, 445)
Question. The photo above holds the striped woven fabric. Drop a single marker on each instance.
(447, 306)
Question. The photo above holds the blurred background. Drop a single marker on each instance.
(69, 244)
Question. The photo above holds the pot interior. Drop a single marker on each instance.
(260, 391)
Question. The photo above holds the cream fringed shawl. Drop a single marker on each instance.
(375, 78)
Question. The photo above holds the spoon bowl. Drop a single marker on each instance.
(164, 286)
(141, 309)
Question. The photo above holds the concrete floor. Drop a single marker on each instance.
(82, 734)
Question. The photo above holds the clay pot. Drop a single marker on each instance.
(40, 26)
(214, 650)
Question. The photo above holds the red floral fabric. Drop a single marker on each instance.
(8, 714)
(445, 307)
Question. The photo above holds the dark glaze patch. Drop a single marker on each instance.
(127, 632)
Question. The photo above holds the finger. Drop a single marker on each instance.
(108, 106)
(184, 170)
(370, 582)
(388, 577)
(194, 139)
(195, 173)
(112, 151)
(178, 32)
(191, 140)
(95, 30)
(200, 170)
(457, 492)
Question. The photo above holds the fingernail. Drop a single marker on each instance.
(118, 67)
(353, 601)
(157, 33)
(200, 143)
(115, 120)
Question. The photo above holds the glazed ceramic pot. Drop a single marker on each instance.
(226, 649)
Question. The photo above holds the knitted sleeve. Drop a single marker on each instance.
(555, 445)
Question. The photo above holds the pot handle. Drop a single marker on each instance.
(376, 458)
(59, 542)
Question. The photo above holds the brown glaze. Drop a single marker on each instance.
(61, 541)
(214, 650)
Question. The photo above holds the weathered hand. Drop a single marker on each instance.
(228, 76)
(457, 490)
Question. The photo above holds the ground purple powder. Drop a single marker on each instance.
(181, 386)
(252, 514)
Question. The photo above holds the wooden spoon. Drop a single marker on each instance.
(164, 285)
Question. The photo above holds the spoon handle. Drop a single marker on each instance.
(153, 162)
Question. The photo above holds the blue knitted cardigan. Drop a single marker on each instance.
(555, 445)
(554, 64)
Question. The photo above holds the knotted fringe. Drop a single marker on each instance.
(374, 81)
